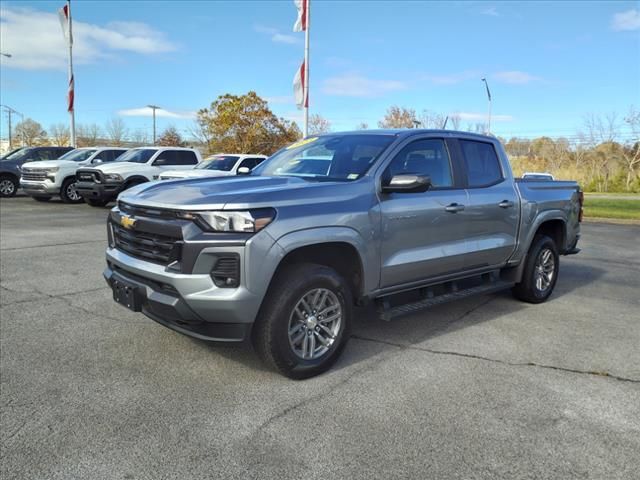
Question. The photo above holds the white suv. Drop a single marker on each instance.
(44, 179)
(220, 165)
(100, 185)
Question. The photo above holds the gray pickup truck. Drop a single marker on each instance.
(406, 219)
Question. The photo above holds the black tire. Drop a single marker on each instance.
(96, 203)
(8, 186)
(528, 290)
(271, 330)
(68, 193)
(41, 199)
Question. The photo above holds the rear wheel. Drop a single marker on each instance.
(305, 321)
(540, 271)
(95, 203)
(68, 191)
(8, 186)
(41, 198)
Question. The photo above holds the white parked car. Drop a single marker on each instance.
(102, 184)
(44, 179)
(220, 165)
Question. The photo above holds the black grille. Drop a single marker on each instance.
(37, 175)
(147, 246)
(226, 271)
(145, 211)
(86, 176)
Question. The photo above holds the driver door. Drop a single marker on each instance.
(423, 234)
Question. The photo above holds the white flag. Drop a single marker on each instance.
(63, 14)
(298, 88)
(301, 21)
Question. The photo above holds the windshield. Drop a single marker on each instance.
(330, 157)
(19, 155)
(137, 155)
(78, 155)
(222, 163)
(8, 154)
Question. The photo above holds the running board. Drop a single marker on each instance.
(387, 312)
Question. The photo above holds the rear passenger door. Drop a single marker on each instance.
(493, 210)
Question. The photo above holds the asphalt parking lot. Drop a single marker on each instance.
(483, 388)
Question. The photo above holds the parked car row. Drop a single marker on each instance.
(97, 175)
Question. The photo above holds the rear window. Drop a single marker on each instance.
(481, 163)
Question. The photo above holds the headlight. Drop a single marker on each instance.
(113, 177)
(248, 221)
(51, 169)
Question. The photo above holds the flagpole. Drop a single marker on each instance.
(306, 73)
(71, 85)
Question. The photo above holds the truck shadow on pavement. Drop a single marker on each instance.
(410, 330)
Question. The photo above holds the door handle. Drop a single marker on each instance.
(454, 208)
(505, 204)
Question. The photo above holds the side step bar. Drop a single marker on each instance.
(387, 312)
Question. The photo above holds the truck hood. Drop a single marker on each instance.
(121, 167)
(195, 173)
(52, 163)
(238, 193)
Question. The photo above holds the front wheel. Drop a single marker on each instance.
(96, 203)
(305, 320)
(68, 192)
(540, 274)
(8, 186)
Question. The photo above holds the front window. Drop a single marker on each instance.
(141, 155)
(78, 155)
(19, 155)
(330, 157)
(223, 163)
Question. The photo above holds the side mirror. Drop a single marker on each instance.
(96, 161)
(244, 171)
(407, 184)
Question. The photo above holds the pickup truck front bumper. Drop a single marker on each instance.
(98, 191)
(39, 187)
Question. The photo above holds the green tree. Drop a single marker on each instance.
(244, 124)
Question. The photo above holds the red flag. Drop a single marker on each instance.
(70, 96)
(301, 21)
(299, 85)
(63, 14)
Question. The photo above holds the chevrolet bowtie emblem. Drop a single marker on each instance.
(128, 222)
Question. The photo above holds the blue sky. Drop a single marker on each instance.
(548, 63)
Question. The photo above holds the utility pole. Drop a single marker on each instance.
(489, 98)
(11, 111)
(154, 108)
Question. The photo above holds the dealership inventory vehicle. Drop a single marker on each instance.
(406, 219)
(102, 184)
(42, 180)
(537, 176)
(220, 165)
(11, 164)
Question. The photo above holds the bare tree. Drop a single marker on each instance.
(116, 131)
(429, 119)
(398, 117)
(139, 137)
(59, 134)
(631, 151)
(318, 125)
(362, 126)
(88, 135)
(171, 138)
(455, 119)
(31, 132)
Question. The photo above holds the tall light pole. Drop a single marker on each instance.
(489, 99)
(154, 108)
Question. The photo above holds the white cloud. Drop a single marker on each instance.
(35, 41)
(492, 11)
(356, 85)
(277, 36)
(515, 77)
(481, 117)
(148, 112)
(629, 20)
